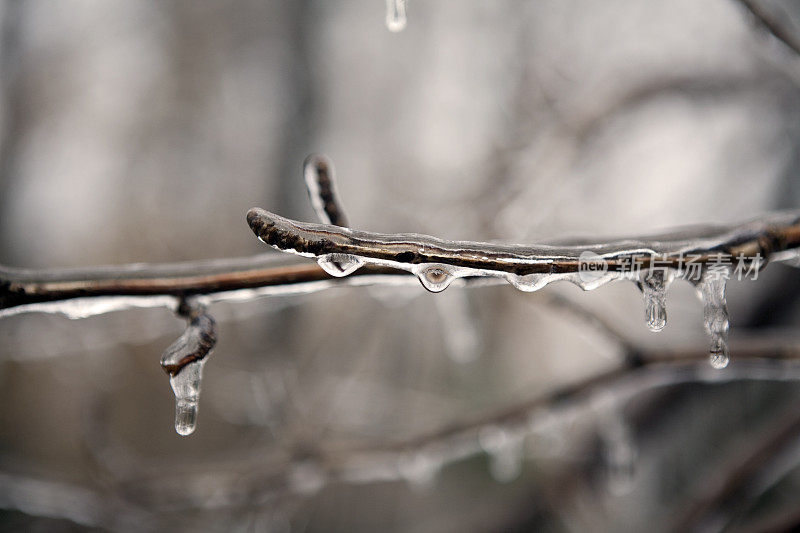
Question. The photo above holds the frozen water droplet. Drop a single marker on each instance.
(395, 15)
(655, 314)
(654, 289)
(715, 316)
(340, 265)
(530, 282)
(719, 359)
(186, 386)
(435, 278)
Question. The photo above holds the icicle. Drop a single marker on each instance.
(505, 452)
(186, 386)
(396, 15)
(654, 289)
(715, 315)
(340, 265)
(435, 278)
(184, 360)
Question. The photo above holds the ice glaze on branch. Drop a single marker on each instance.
(650, 262)
(765, 236)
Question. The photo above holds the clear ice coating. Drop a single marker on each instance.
(395, 15)
(186, 386)
(654, 289)
(528, 283)
(339, 265)
(435, 278)
(715, 315)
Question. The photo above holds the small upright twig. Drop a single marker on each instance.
(321, 185)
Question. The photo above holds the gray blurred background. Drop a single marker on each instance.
(147, 129)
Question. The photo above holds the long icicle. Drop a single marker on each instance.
(184, 359)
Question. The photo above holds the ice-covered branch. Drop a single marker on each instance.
(415, 253)
(79, 293)
(704, 256)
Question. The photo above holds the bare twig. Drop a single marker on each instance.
(321, 185)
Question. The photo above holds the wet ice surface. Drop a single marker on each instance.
(715, 317)
(654, 289)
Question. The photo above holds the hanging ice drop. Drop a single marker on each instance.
(395, 15)
(530, 282)
(183, 360)
(435, 278)
(340, 265)
(654, 290)
(715, 316)
(186, 386)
